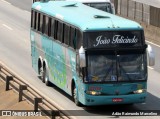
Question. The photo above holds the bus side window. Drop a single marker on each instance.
(46, 25)
(52, 27)
(43, 24)
(34, 19)
(72, 40)
(60, 31)
(63, 34)
(66, 34)
(78, 39)
(38, 21)
(55, 29)
(49, 26)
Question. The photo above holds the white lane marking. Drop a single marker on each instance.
(5, 2)
(26, 41)
(26, 11)
(7, 27)
(153, 44)
(150, 67)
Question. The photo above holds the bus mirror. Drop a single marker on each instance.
(151, 56)
(82, 57)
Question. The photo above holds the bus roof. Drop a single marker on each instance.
(84, 17)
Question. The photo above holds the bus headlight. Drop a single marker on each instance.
(139, 91)
(93, 92)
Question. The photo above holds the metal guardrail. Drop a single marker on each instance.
(40, 102)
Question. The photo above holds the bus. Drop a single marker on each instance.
(104, 5)
(96, 57)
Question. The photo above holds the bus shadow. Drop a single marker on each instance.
(53, 86)
(61, 91)
(152, 104)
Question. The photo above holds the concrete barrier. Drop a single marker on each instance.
(145, 14)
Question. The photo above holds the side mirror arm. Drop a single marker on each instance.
(151, 56)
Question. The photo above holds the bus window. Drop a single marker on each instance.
(66, 34)
(60, 31)
(101, 67)
(49, 27)
(43, 24)
(104, 5)
(46, 25)
(38, 21)
(52, 27)
(79, 39)
(34, 19)
(55, 29)
(73, 37)
(101, 6)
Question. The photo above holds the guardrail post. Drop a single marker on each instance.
(21, 88)
(36, 101)
(54, 114)
(0, 69)
(8, 79)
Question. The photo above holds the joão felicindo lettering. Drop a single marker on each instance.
(117, 39)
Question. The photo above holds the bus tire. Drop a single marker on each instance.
(75, 96)
(41, 73)
(47, 82)
(45, 77)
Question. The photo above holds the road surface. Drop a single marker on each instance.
(15, 52)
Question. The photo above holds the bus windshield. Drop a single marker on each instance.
(101, 6)
(117, 67)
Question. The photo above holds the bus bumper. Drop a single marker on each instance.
(91, 100)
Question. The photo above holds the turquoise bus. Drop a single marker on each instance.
(96, 57)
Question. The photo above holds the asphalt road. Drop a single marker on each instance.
(15, 52)
(22, 4)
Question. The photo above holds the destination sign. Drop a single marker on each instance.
(112, 39)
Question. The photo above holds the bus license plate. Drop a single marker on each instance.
(117, 99)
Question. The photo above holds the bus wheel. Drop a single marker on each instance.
(41, 73)
(75, 96)
(45, 77)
